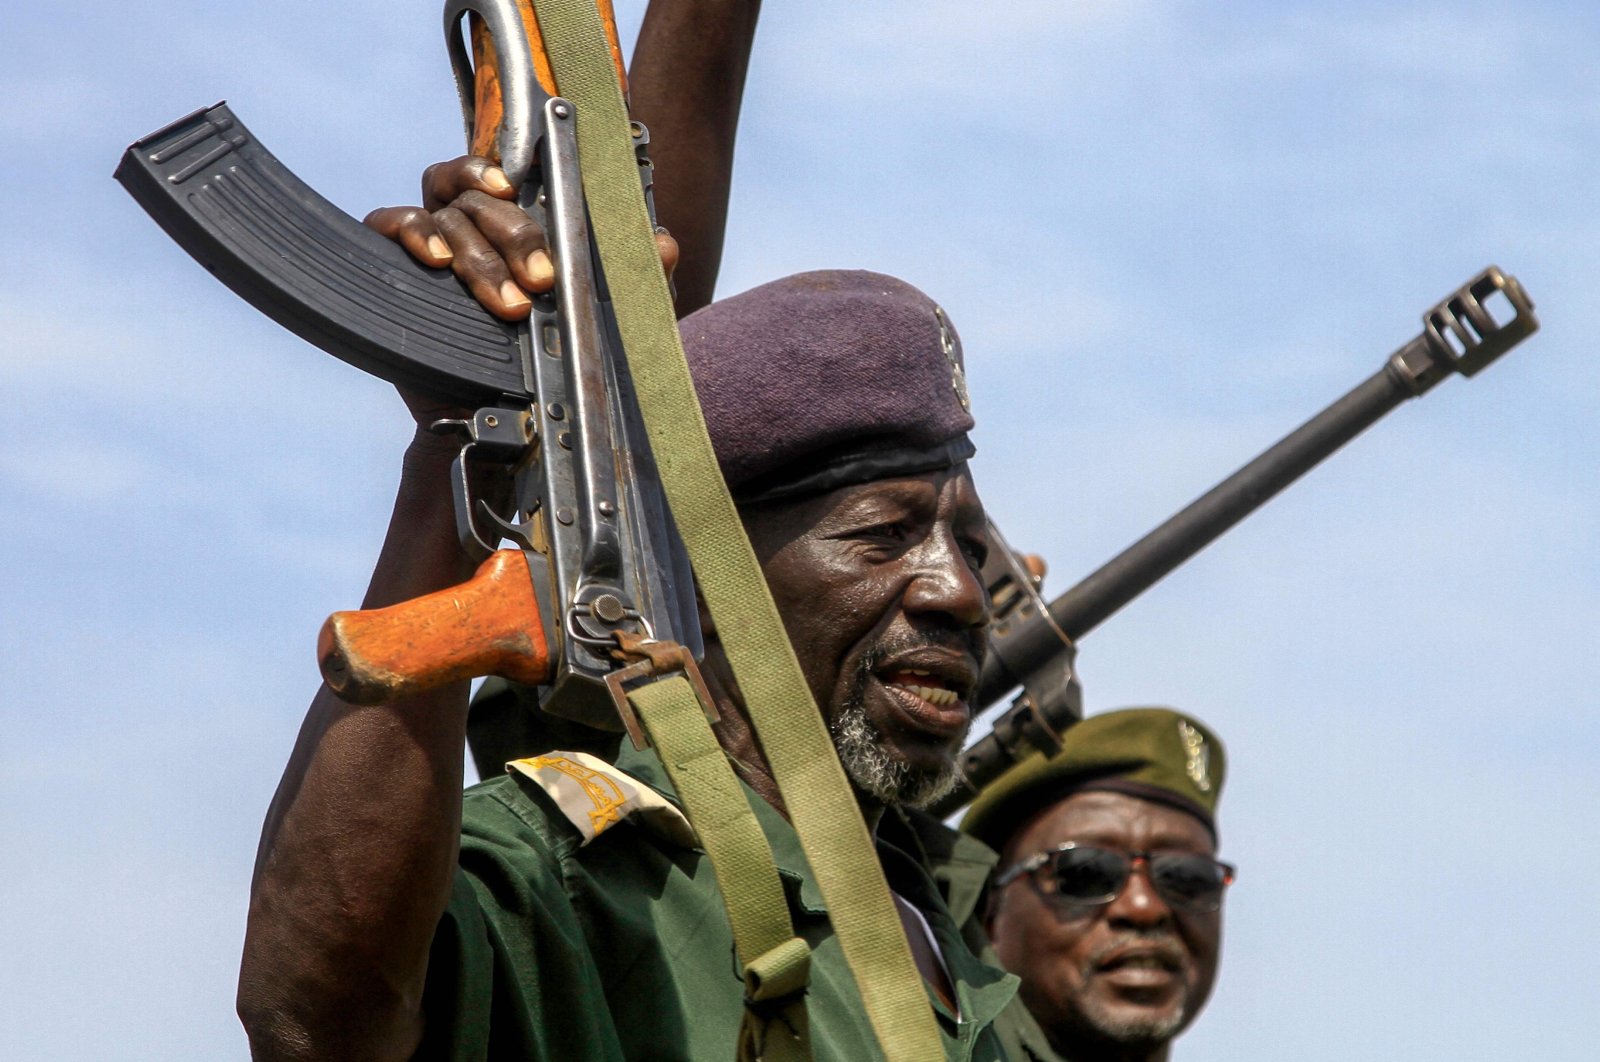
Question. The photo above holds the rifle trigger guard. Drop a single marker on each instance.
(494, 434)
(652, 660)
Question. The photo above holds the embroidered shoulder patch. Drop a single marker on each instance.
(595, 796)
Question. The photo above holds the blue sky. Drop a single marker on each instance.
(1167, 231)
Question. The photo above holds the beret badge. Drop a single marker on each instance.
(1196, 756)
(952, 354)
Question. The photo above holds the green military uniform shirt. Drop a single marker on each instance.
(551, 948)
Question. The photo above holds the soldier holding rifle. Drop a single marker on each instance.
(564, 909)
(611, 944)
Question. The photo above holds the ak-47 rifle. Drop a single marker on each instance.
(596, 550)
(1034, 645)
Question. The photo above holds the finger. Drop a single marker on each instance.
(426, 408)
(481, 268)
(444, 181)
(413, 229)
(668, 248)
(519, 239)
(1035, 567)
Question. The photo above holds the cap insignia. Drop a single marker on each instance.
(1196, 756)
(958, 379)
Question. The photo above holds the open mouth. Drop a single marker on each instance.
(1142, 962)
(931, 689)
(923, 684)
(1142, 968)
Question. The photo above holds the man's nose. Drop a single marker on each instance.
(1139, 904)
(946, 581)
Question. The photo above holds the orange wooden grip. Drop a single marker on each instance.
(488, 107)
(489, 625)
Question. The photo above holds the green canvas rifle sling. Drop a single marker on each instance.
(818, 797)
(776, 964)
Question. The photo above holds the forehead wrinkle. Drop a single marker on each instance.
(949, 493)
(908, 492)
(967, 513)
(787, 520)
(774, 526)
(921, 495)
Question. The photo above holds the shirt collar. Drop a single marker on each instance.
(960, 864)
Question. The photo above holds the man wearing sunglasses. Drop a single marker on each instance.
(1108, 897)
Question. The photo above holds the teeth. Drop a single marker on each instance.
(932, 694)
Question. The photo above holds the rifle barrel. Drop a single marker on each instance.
(1459, 335)
(1143, 564)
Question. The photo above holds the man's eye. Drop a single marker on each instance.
(893, 532)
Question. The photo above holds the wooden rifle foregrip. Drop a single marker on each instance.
(488, 625)
(489, 108)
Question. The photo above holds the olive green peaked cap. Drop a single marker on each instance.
(1154, 753)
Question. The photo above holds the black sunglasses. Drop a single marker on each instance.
(1091, 877)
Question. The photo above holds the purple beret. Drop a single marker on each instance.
(823, 380)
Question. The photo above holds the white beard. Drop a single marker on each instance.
(862, 751)
(1151, 1031)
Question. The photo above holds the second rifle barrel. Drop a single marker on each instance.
(1140, 566)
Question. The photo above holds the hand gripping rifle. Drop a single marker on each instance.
(1034, 644)
(597, 554)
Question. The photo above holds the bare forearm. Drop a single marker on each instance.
(359, 848)
(687, 80)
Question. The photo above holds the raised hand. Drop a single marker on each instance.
(470, 223)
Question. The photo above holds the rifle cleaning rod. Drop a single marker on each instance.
(1137, 568)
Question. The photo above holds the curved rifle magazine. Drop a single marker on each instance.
(313, 268)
